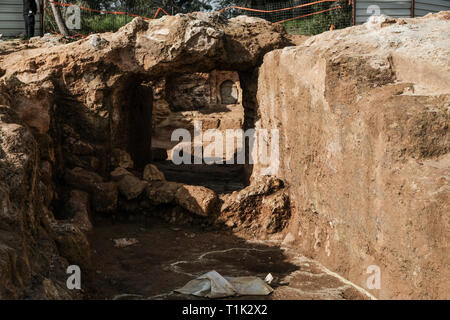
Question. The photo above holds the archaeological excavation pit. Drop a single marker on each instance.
(89, 177)
(104, 154)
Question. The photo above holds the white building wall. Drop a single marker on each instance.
(399, 8)
(11, 18)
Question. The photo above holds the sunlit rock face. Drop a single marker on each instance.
(364, 141)
(363, 115)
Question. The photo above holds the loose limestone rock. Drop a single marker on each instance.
(263, 207)
(196, 199)
(78, 207)
(106, 197)
(162, 192)
(83, 179)
(131, 187)
(97, 42)
(118, 173)
(152, 173)
(72, 243)
(122, 159)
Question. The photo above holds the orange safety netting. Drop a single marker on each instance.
(309, 14)
(110, 12)
(222, 10)
(280, 10)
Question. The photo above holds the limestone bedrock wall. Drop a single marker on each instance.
(78, 105)
(364, 123)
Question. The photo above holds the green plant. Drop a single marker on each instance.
(321, 22)
(103, 23)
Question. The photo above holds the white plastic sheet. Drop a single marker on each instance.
(213, 285)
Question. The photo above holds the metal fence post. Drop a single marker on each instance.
(41, 17)
(354, 11)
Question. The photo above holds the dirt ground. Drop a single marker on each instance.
(167, 257)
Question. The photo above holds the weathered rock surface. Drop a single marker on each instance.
(263, 207)
(46, 185)
(196, 199)
(152, 173)
(131, 187)
(121, 159)
(105, 198)
(118, 173)
(29, 257)
(72, 244)
(162, 192)
(83, 179)
(78, 208)
(364, 146)
(92, 91)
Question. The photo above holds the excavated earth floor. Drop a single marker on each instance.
(167, 256)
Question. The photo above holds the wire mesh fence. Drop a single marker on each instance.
(87, 17)
(84, 17)
(302, 16)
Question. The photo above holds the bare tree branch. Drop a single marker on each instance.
(59, 21)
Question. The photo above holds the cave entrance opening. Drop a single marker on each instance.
(139, 126)
(213, 99)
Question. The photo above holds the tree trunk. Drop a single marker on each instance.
(41, 18)
(59, 21)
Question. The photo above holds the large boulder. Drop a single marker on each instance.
(131, 187)
(82, 179)
(104, 194)
(46, 185)
(152, 173)
(262, 208)
(121, 159)
(196, 199)
(118, 173)
(162, 192)
(105, 199)
(72, 244)
(364, 146)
